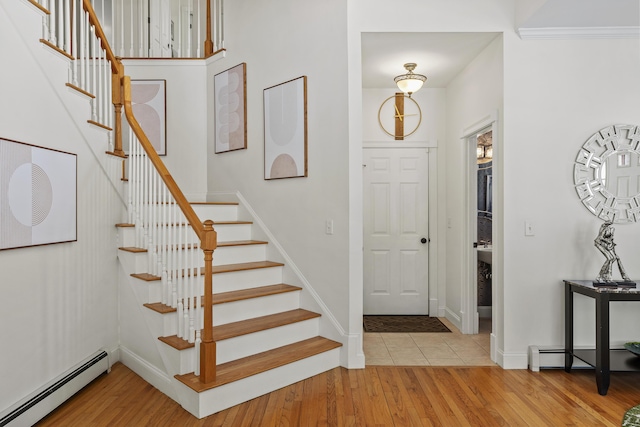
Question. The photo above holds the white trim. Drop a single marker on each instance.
(400, 144)
(565, 33)
(513, 360)
(453, 318)
(148, 372)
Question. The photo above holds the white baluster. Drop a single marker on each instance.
(187, 280)
(74, 45)
(165, 242)
(122, 25)
(67, 28)
(179, 35)
(174, 256)
(86, 53)
(60, 25)
(199, 34)
(197, 353)
(92, 53)
(80, 56)
(180, 279)
(52, 23)
(142, 23)
(130, 183)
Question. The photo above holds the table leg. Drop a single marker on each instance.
(568, 328)
(602, 343)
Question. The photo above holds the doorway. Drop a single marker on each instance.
(396, 231)
(478, 291)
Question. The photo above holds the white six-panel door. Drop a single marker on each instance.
(395, 230)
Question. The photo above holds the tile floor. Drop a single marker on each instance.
(429, 349)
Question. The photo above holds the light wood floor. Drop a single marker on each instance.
(375, 396)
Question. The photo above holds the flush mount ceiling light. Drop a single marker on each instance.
(410, 82)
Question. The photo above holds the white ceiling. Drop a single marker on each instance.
(440, 56)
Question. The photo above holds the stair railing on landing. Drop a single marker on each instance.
(168, 28)
(165, 221)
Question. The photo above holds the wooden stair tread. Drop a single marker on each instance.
(226, 268)
(232, 296)
(124, 224)
(215, 203)
(231, 222)
(196, 245)
(132, 249)
(241, 243)
(261, 362)
(249, 326)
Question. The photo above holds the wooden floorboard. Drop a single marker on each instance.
(374, 396)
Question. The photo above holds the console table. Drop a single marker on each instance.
(602, 358)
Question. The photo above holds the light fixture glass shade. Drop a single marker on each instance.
(410, 82)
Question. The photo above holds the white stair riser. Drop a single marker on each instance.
(216, 212)
(223, 397)
(166, 324)
(246, 345)
(255, 307)
(134, 262)
(231, 232)
(236, 280)
(223, 282)
(237, 254)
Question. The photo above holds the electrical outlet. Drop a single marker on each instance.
(328, 227)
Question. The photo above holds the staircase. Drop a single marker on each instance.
(265, 340)
(264, 337)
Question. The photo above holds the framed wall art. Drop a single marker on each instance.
(285, 130)
(149, 105)
(230, 106)
(37, 195)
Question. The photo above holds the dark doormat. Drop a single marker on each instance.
(403, 324)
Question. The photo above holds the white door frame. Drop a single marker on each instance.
(469, 303)
(435, 308)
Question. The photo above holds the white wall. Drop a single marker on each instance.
(279, 41)
(557, 94)
(59, 301)
(186, 119)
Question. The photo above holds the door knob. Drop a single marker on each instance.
(423, 240)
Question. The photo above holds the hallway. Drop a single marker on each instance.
(430, 349)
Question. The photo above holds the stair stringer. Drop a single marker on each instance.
(54, 68)
(351, 353)
(140, 349)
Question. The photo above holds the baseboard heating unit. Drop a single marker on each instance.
(37, 405)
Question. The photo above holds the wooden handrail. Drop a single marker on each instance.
(204, 231)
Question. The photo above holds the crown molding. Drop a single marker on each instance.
(566, 33)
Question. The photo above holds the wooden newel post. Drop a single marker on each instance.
(117, 99)
(208, 345)
(208, 43)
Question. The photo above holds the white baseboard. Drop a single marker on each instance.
(453, 318)
(148, 372)
(512, 360)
